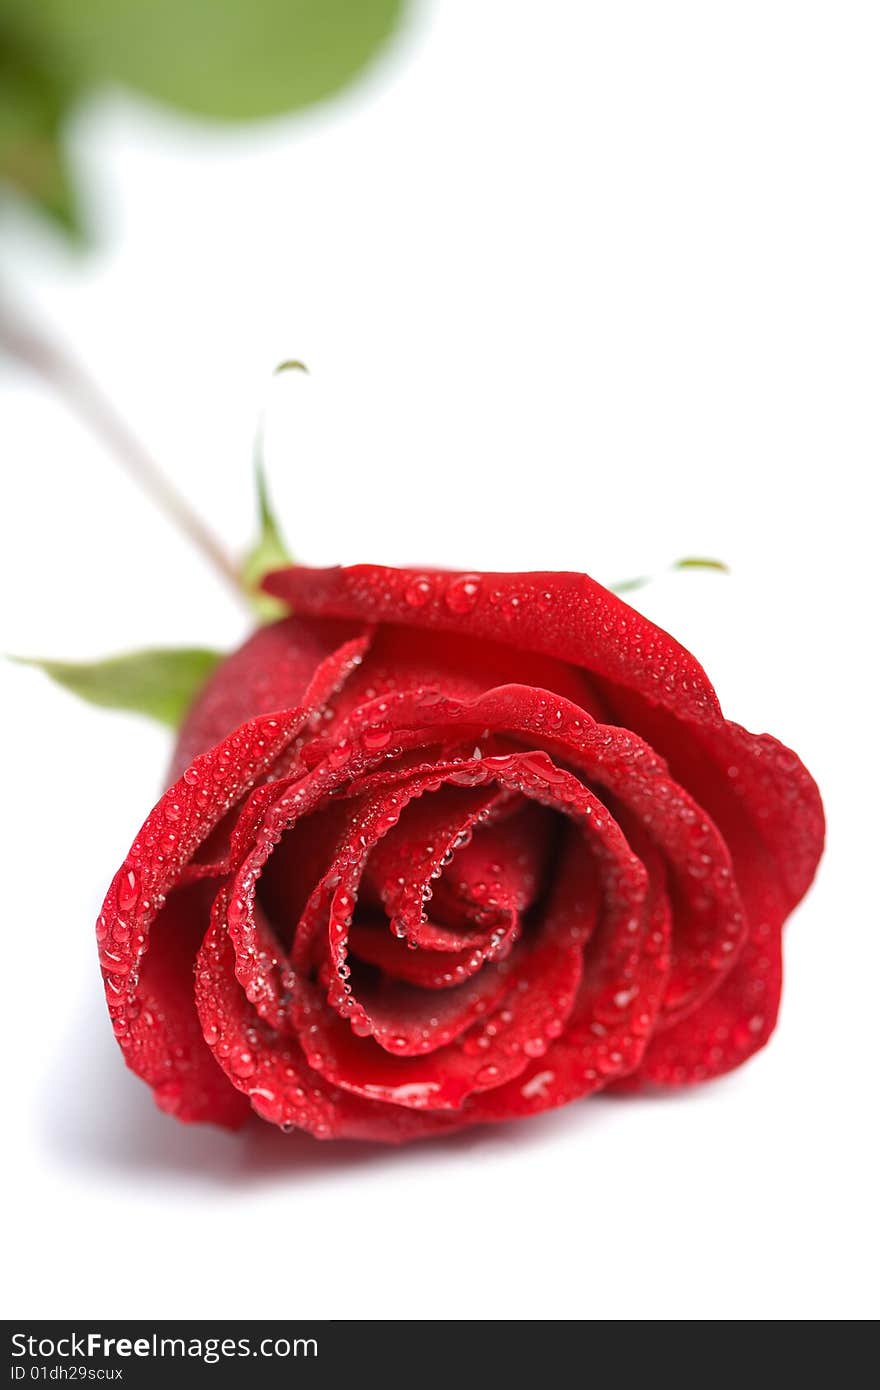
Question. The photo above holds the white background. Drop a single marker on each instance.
(584, 286)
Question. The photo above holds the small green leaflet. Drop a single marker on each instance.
(626, 586)
(161, 683)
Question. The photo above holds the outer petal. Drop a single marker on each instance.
(152, 1010)
(151, 1005)
(639, 667)
(755, 789)
(163, 1041)
(567, 616)
(271, 671)
(740, 1016)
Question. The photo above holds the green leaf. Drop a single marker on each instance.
(225, 59)
(161, 683)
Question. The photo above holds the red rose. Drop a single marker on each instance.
(450, 848)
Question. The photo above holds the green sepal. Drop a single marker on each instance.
(698, 563)
(690, 562)
(159, 682)
(268, 553)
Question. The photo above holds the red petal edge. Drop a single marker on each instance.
(709, 837)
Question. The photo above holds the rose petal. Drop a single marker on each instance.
(502, 865)
(407, 1022)
(709, 921)
(566, 616)
(164, 1042)
(406, 659)
(270, 1070)
(741, 778)
(611, 1023)
(543, 976)
(635, 665)
(271, 671)
(401, 867)
(737, 1020)
(134, 910)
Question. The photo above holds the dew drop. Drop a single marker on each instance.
(243, 1064)
(340, 753)
(537, 1087)
(128, 890)
(463, 593)
(236, 913)
(376, 737)
(418, 591)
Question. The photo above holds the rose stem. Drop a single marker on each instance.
(85, 398)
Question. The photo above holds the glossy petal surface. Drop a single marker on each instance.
(445, 849)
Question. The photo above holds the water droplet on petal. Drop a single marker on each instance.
(418, 591)
(340, 753)
(128, 890)
(243, 1064)
(537, 1086)
(376, 737)
(463, 593)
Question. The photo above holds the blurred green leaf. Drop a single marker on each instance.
(161, 683)
(34, 96)
(227, 59)
(230, 60)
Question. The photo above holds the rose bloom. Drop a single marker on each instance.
(444, 849)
